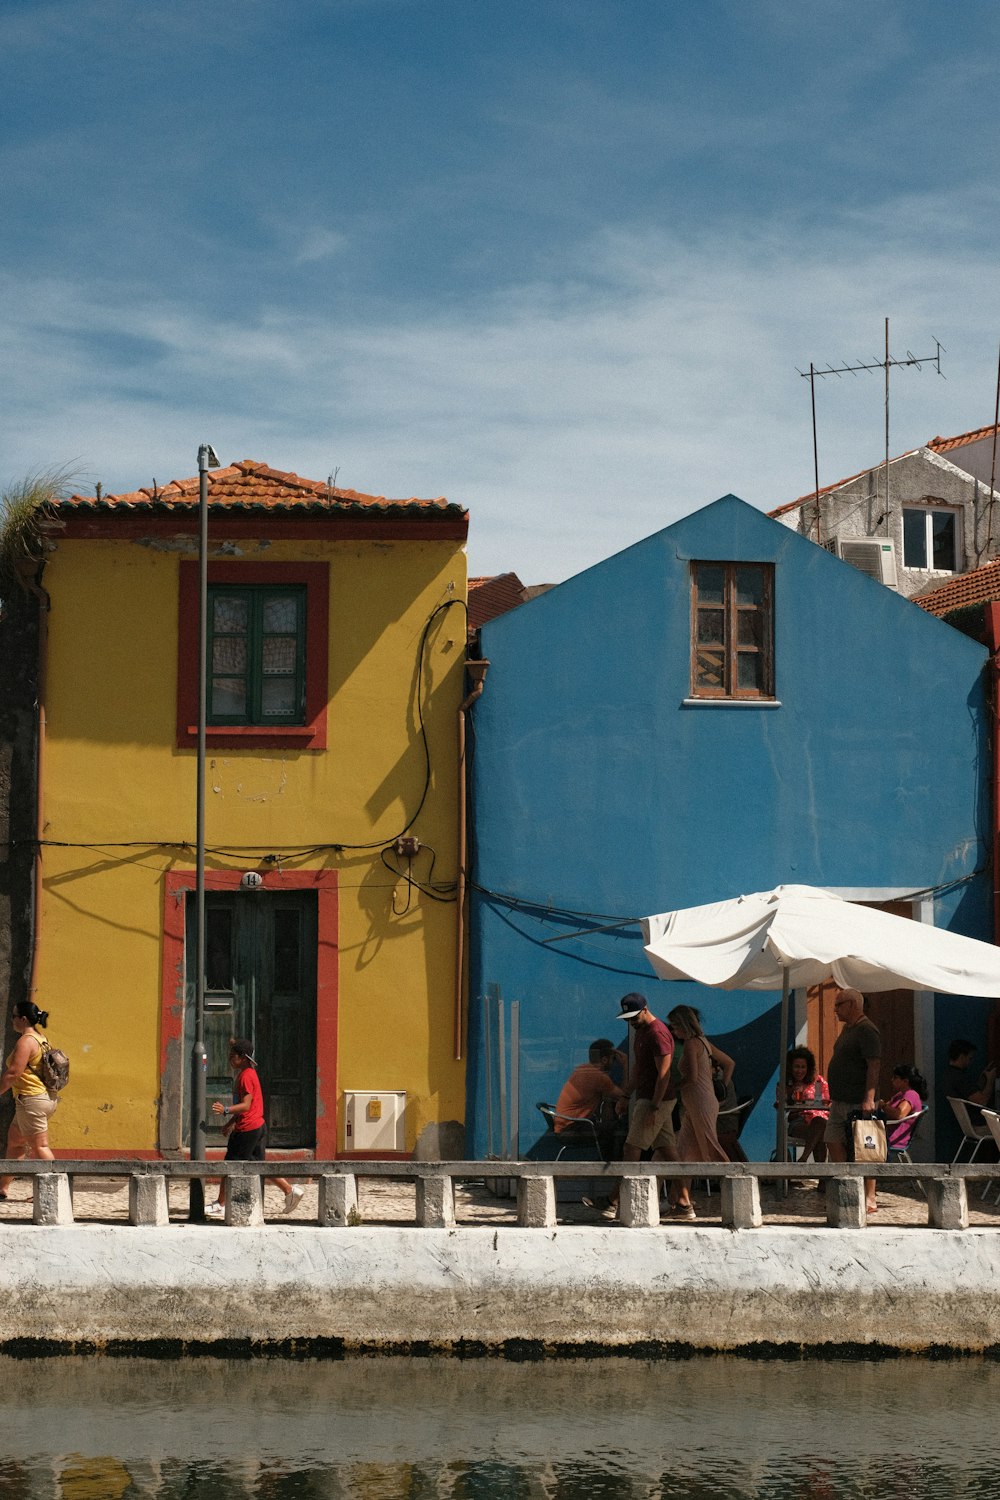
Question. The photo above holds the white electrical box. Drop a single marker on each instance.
(375, 1119)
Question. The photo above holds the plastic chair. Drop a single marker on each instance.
(902, 1153)
(971, 1134)
(579, 1132)
(992, 1122)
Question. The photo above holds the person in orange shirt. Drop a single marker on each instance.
(590, 1093)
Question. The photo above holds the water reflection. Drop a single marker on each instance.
(396, 1429)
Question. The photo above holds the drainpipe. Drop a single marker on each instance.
(992, 620)
(477, 672)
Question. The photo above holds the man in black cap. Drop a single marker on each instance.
(651, 1127)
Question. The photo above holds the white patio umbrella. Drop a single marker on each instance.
(798, 935)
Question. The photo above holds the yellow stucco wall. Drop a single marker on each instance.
(113, 775)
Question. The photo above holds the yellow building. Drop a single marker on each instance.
(337, 629)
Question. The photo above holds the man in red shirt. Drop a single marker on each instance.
(245, 1124)
(589, 1092)
(651, 1127)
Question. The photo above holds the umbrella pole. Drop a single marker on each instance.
(781, 1154)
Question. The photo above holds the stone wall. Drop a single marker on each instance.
(551, 1291)
(18, 667)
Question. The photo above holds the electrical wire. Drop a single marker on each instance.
(611, 923)
(292, 851)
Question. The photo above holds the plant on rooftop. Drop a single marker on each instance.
(27, 522)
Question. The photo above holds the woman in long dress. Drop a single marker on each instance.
(698, 1139)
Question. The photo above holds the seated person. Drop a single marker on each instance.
(909, 1096)
(804, 1089)
(589, 1093)
(958, 1082)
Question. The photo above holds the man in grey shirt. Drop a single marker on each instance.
(852, 1076)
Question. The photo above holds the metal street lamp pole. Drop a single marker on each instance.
(199, 1057)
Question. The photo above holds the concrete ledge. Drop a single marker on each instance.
(560, 1289)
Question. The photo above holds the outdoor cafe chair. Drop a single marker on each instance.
(973, 1135)
(578, 1133)
(902, 1153)
(992, 1122)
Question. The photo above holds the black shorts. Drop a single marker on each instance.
(246, 1145)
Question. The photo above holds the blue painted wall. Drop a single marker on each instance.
(597, 791)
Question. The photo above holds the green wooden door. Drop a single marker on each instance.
(260, 983)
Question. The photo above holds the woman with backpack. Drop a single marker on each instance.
(34, 1105)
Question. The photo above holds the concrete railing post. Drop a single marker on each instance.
(245, 1201)
(52, 1201)
(147, 1198)
(435, 1203)
(741, 1203)
(338, 1200)
(536, 1202)
(845, 1203)
(639, 1202)
(947, 1203)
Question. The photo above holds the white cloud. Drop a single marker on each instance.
(640, 379)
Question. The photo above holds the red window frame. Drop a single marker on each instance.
(730, 646)
(311, 735)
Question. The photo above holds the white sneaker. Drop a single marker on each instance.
(292, 1197)
(215, 1210)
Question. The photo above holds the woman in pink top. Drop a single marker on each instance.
(908, 1097)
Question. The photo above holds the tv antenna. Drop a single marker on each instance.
(886, 363)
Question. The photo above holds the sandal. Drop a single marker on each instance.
(683, 1211)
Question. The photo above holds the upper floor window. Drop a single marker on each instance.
(256, 653)
(930, 539)
(732, 631)
(268, 639)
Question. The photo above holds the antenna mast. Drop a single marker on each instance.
(886, 363)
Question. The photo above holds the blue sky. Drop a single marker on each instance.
(556, 259)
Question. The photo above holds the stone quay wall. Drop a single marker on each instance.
(481, 1290)
(533, 1283)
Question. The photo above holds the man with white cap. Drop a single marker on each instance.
(651, 1127)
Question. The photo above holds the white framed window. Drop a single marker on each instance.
(930, 539)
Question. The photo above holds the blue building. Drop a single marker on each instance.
(721, 708)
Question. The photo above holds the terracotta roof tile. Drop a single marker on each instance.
(493, 596)
(254, 486)
(944, 445)
(978, 587)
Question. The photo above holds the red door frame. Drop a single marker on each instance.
(324, 882)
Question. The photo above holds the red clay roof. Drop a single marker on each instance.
(977, 587)
(493, 596)
(944, 445)
(253, 486)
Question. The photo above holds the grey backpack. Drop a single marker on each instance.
(53, 1068)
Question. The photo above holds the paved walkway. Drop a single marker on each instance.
(105, 1201)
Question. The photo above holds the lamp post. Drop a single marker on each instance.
(207, 459)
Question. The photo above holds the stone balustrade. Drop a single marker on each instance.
(535, 1184)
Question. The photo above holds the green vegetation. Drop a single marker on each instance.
(27, 522)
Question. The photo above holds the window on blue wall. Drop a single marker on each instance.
(732, 630)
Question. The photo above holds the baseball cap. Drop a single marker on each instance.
(631, 1006)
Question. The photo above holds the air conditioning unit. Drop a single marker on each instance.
(874, 555)
(375, 1120)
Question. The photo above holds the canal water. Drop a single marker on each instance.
(378, 1429)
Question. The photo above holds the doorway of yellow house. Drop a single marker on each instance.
(260, 983)
(890, 1010)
